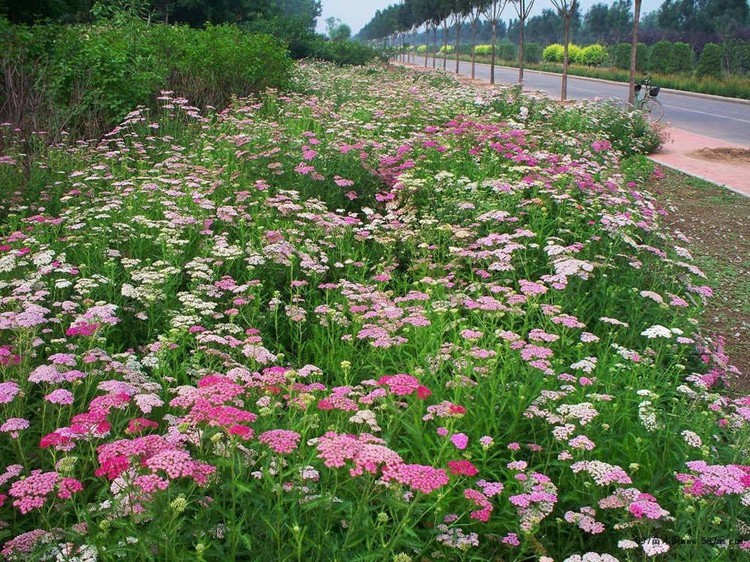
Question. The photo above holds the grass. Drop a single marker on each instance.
(718, 223)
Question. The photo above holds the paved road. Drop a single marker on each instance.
(725, 120)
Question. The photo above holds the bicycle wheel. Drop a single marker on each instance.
(653, 108)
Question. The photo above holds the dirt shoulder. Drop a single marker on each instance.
(717, 222)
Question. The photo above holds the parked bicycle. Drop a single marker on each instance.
(645, 98)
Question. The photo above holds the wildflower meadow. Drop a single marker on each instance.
(379, 316)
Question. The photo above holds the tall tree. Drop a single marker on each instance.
(475, 13)
(523, 9)
(565, 8)
(492, 11)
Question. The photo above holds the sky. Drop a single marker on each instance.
(356, 13)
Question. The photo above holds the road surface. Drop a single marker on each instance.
(722, 119)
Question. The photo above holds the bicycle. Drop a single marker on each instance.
(645, 98)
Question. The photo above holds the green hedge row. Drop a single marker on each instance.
(84, 79)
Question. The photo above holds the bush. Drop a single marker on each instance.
(593, 55)
(710, 61)
(87, 78)
(737, 56)
(553, 53)
(683, 58)
(422, 49)
(446, 49)
(483, 50)
(344, 52)
(507, 51)
(622, 56)
(662, 54)
(575, 54)
(532, 52)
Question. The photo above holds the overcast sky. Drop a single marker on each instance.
(356, 13)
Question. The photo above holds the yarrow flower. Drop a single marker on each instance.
(280, 441)
(462, 468)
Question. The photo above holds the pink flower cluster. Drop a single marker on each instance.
(715, 480)
(281, 441)
(537, 502)
(404, 385)
(152, 452)
(482, 502)
(31, 492)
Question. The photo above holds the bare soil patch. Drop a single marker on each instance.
(727, 155)
(717, 222)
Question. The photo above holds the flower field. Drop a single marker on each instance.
(381, 317)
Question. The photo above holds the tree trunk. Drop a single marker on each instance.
(520, 50)
(458, 43)
(564, 90)
(492, 56)
(434, 46)
(426, 43)
(634, 51)
(473, 46)
(445, 44)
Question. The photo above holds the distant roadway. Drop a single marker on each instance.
(720, 118)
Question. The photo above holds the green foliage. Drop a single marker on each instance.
(87, 78)
(683, 58)
(506, 51)
(532, 52)
(423, 48)
(593, 55)
(575, 53)
(737, 56)
(662, 54)
(553, 53)
(710, 62)
(446, 49)
(344, 52)
(622, 56)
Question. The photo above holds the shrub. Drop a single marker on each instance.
(683, 58)
(553, 53)
(507, 51)
(532, 52)
(345, 52)
(593, 55)
(575, 54)
(622, 56)
(483, 50)
(422, 49)
(662, 54)
(710, 61)
(737, 56)
(446, 49)
(213, 65)
(87, 78)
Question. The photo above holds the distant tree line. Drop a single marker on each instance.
(696, 22)
(192, 12)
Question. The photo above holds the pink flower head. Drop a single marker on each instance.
(462, 468)
(14, 426)
(460, 440)
(421, 478)
(8, 391)
(281, 441)
(481, 501)
(400, 385)
(60, 396)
